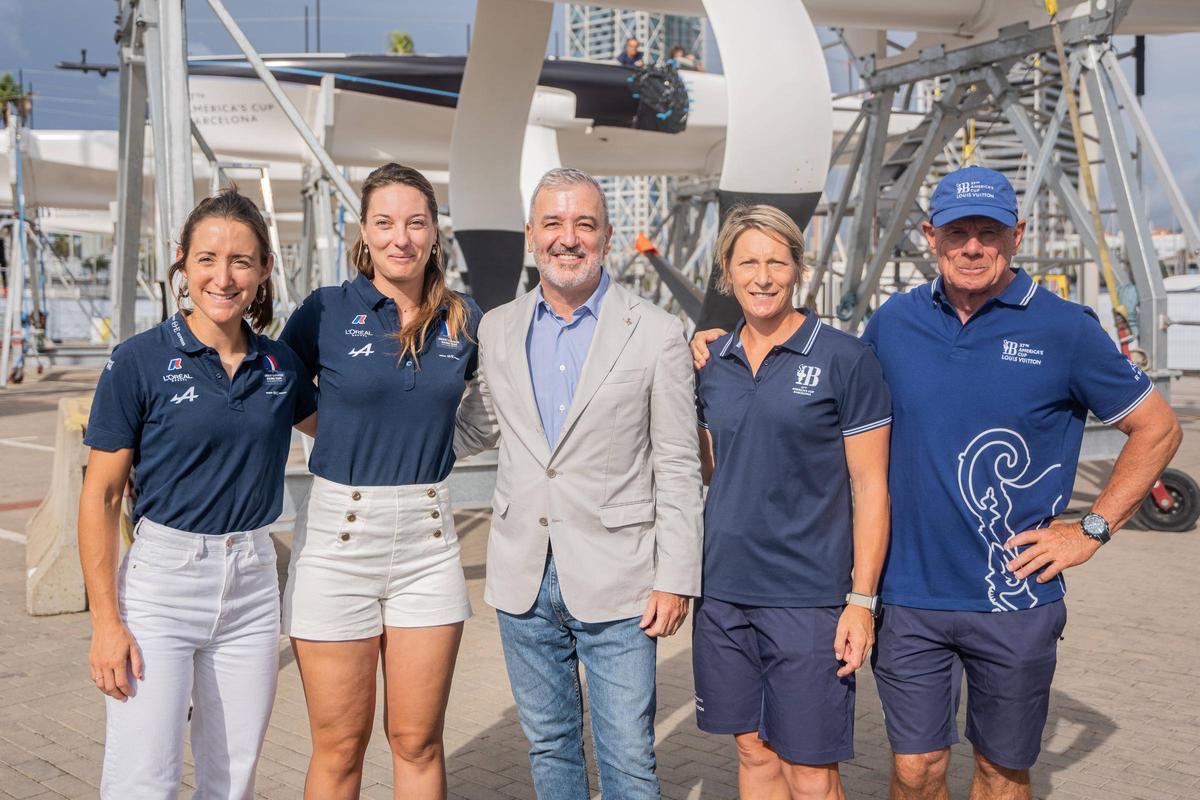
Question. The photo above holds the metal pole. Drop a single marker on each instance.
(131, 152)
(1145, 135)
(16, 284)
(1139, 247)
(170, 109)
(285, 103)
(868, 196)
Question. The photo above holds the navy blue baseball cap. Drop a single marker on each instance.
(973, 192)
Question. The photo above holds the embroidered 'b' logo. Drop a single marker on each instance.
(808, 375)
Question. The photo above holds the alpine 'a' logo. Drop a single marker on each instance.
(190, 395)
(808, 375)
(365, 350)
(361, 319)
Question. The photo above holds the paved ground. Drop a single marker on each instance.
(1124, 719)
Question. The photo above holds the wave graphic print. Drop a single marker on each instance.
(990, 474)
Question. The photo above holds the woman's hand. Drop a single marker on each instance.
(854, 638)
(113, 657)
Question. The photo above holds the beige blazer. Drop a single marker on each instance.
(619, 496)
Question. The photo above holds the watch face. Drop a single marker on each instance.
(1094, 524)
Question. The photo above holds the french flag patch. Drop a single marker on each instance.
(272, 364)
(174, 363)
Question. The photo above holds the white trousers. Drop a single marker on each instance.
(205, 613)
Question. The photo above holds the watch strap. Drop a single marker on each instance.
(867, 601)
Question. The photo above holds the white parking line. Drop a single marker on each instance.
(27, 445)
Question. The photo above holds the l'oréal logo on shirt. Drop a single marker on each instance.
(1020, 352)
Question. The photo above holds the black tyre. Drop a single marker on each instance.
(1182, 517)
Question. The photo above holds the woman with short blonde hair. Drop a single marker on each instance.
(794, 422)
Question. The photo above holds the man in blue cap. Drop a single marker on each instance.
(992, 378)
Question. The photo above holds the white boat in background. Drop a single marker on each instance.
(386, 108)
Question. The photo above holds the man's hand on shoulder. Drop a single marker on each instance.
(1051, 550)
(700, 342)
(664, 614)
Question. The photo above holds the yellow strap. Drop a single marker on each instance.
(1052, 8)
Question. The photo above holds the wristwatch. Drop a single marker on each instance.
(1095, 527)
(867, 601)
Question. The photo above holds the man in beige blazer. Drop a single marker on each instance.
(596, 534)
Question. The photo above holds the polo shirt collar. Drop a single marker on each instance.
(800, 342)
(367, 291)
(591, 305)
(183, 340)
(1018, 293)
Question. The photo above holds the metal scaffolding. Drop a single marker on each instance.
(152, 41)
(637, 203)
(883, 207)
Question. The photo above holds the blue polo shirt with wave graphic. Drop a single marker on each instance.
(988, 422)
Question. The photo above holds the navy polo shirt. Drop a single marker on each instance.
(778, 523)
(208, 452)
(988, 423)
(384, 421)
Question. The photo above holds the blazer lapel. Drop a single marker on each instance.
(516, 330)
(617, 322)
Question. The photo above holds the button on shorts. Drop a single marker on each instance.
(368, 556)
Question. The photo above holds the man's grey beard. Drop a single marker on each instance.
(567, 279)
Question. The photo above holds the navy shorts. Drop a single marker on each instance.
(773, 670)
(1009, 658)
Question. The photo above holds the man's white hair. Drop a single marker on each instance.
(559, 177)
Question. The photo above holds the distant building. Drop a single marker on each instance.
(637, 203)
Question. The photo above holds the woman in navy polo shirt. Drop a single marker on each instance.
(375, 569)
(794, 425)
(202, 407)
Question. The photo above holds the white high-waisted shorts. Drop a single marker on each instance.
(368, 556)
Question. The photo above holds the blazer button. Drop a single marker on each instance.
(551, 473)
(437, 534)
(432, 493)
(344, 536)
(356, 495)
(542, 521)
(435, 514)
(351, 517)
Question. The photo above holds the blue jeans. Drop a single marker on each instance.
(542, 650)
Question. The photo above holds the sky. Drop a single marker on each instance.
(34, 37)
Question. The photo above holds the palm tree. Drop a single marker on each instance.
(400, 43)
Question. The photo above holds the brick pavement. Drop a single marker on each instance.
(1124, 719)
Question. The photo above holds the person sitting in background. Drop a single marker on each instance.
(631, 56)
(682, 59)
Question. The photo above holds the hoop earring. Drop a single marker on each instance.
(182, 294)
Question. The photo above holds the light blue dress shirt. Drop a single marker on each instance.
(556, 350)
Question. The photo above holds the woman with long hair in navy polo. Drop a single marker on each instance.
(202, 407)
(375, 569)
(794, 423)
